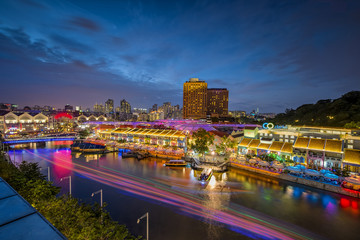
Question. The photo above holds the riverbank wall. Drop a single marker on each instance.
(300, 180)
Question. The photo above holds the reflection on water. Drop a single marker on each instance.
(235, 193)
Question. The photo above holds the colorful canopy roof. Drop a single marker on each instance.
(316, 144)
(287, 148)
(352, 156)
(148, 132)
(254, 143)
(333, 146)
(276, 146)
(301, 142)
(245, 142)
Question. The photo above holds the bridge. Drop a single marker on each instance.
(38, 139)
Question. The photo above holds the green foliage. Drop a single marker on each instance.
(338, 112)
(352, 124)
(75, 220)
(226, 144)
(80, 221)
(201, 140)
(84, 134)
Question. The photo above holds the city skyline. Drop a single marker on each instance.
(271, 55)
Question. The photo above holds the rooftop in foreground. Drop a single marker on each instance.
(19, 220)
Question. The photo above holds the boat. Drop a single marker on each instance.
(352, 182)
(130, 154)
(135, 154)
(175, 163)
(75, 146)
(205, 175)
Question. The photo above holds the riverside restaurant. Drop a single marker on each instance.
(162, 137)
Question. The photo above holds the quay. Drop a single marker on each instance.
(299, 180)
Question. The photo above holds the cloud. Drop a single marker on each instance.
(84, 23)
(71, 44)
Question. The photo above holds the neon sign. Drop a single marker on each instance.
(271, 126)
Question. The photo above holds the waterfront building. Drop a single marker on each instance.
(195, 99)
(23, 121)
(352, 160)
(217, 101)
(91, 118)
(109, 106)
(324, 147)
(162, 137)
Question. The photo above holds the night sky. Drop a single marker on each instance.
(269, 54)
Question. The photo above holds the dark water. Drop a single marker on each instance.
(308, 211)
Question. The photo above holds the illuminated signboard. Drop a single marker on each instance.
(272, 126)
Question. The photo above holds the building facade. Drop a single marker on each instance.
(217, 101)
(125, 106)
(194, 99)
(109, 106)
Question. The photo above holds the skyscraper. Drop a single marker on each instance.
(125, 106)
(99, 108)
(195, 99)
(217, 101)
(109, 106)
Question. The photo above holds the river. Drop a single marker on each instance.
(233, 205)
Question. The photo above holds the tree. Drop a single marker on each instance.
(75, 220)
(226, 144)
(201, 139)
(84, 133)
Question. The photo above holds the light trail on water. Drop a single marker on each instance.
(186, 202)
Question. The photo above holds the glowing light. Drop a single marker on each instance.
(61, 115)
(188, 203)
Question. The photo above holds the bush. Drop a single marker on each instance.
(75, 220)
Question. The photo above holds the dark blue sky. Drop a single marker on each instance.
(269, 54)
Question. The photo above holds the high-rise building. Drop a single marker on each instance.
(125, 106)
(217, 101)
(99, 108)
(194, 99)
(109, 106)
(68, 108)
(154, 108)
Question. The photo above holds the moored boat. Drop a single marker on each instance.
(175, 163)
(352, 182)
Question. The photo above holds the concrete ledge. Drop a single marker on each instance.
(303, 181)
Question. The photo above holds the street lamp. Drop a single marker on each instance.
(147, 223)
(69, 177)
(101, 201)
(101, 196)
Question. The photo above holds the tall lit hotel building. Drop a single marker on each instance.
(195, 99)
(217, 101)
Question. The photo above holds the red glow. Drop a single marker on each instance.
(61, 115)
(55, 143)
(63, 169)
(354, 205)
(344, 202)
